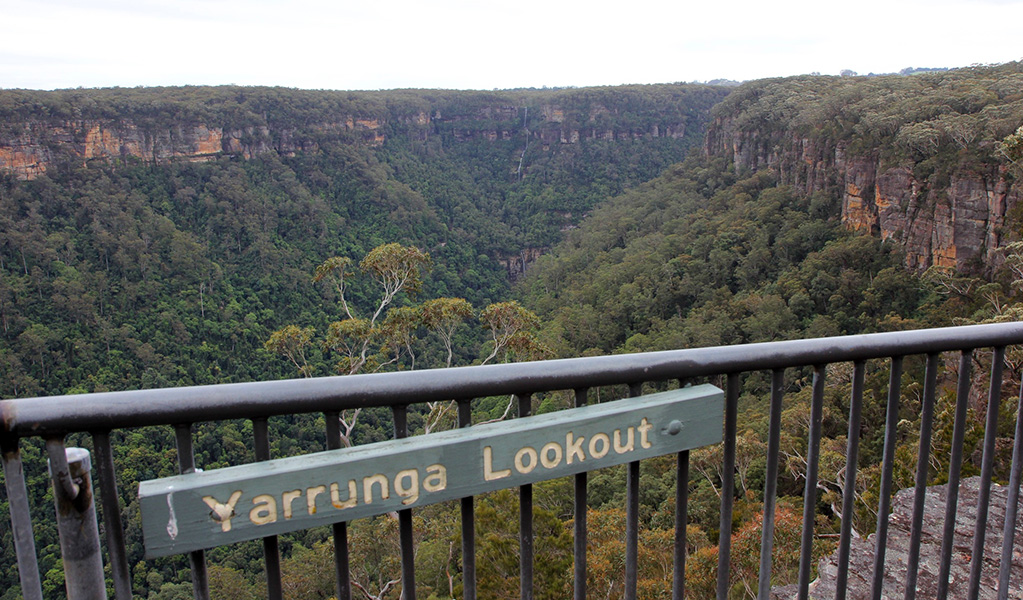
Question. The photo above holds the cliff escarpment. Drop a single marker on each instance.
(42, 130)
(913, 159)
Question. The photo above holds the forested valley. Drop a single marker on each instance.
(121, 272)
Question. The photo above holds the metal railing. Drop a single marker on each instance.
(53, 418)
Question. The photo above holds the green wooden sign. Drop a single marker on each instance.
(206, 509)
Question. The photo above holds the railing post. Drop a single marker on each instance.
(196, 559)
(579, 526)
(405, 532)
(728, 486)
(632, 518)
(343, 582)
(21, 519)
(76, 521)
(468, 520)
(525, 518)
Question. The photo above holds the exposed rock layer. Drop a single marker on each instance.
(958, 223)
(518, 264)
(40, 144)
(896, 556)
(43, 144)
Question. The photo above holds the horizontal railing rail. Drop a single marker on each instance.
(53, 418)
(114, 410)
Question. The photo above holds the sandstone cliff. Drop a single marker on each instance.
(517, 264)
(952, 223)
(911, 159)
(76, 127)
(42, 144)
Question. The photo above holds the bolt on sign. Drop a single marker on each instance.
(206, 509)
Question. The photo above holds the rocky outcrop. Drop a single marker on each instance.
(862, 551)
(956, 221)
(552, 125)
(517, 264)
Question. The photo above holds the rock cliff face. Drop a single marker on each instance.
(37, 144)
(42, 144)
(956, 222)
(518, 264)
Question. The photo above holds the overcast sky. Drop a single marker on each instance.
(464, 44)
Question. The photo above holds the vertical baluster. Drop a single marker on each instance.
(632, 517)
(342, 581)
(849, 485)
(1011, 504)
(954, 471)
(271, 551)
(112, 516)
(922, 464)
(525, 519)
(887, 467)
(21, 519)
(579, 526)
(678, 567)
(727, 485)
(408, 566)
(771, 482)
(468, 520)
(197, 559)
(813, 453)
(986, 469)
(678, 578)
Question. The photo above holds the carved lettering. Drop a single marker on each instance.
(310, 497)
(546, 459)
(520, 465)
(335, 495)
(264, 510)
(437, 478)
(294, 493)
(287, 498)
(644, 428)
(367, 487)
(489, 473)
(574, 448)
(604, 442)
(223, 512)
(629, 445)
(409, 492)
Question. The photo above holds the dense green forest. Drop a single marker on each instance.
(123, 273)
(120, 274)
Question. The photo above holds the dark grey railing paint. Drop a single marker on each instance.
(52, 418)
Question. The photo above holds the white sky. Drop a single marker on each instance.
(464, 44)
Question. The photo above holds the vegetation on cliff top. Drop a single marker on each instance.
(910, 119)
(624, 108)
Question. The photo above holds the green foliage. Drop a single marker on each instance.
(444, 316)
(941, 125)
(497, 550)
(1012, 148)
(673, 264)
(121, 275)
(390, 337)
(511, 328)
(292, 343)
